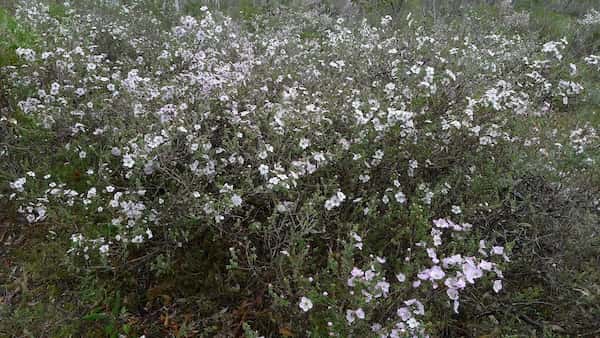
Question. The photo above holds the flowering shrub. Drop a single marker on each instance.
(591, 18)
(330, 161)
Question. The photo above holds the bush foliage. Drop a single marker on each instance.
(297, 173)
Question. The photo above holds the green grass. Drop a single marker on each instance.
(13, 35)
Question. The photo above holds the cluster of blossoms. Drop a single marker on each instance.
(274, 139)
(591, 18)
(453, 273)
(583, 138)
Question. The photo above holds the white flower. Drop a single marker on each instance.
(128, 161)
(26, 53)
(304, 143)
(497, 285)
(156, 141)
(384, 287)
(91, 193)
(456, 210)
(305, 304)
(263, 169)
(385, 199)
(485, 265)
(403, 313)
(452, 293)
(104, 249)
(498, 250)
(19, 184)
(573, 69)
(335, 200)
(390, 87)
(385, 20)
(455, 306)
(54, 88)
(350, 316)
(236, 200)
(400, 197)
(436, 273)
(471, 271)
(356, 272)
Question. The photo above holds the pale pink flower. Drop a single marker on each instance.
(497, 285)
